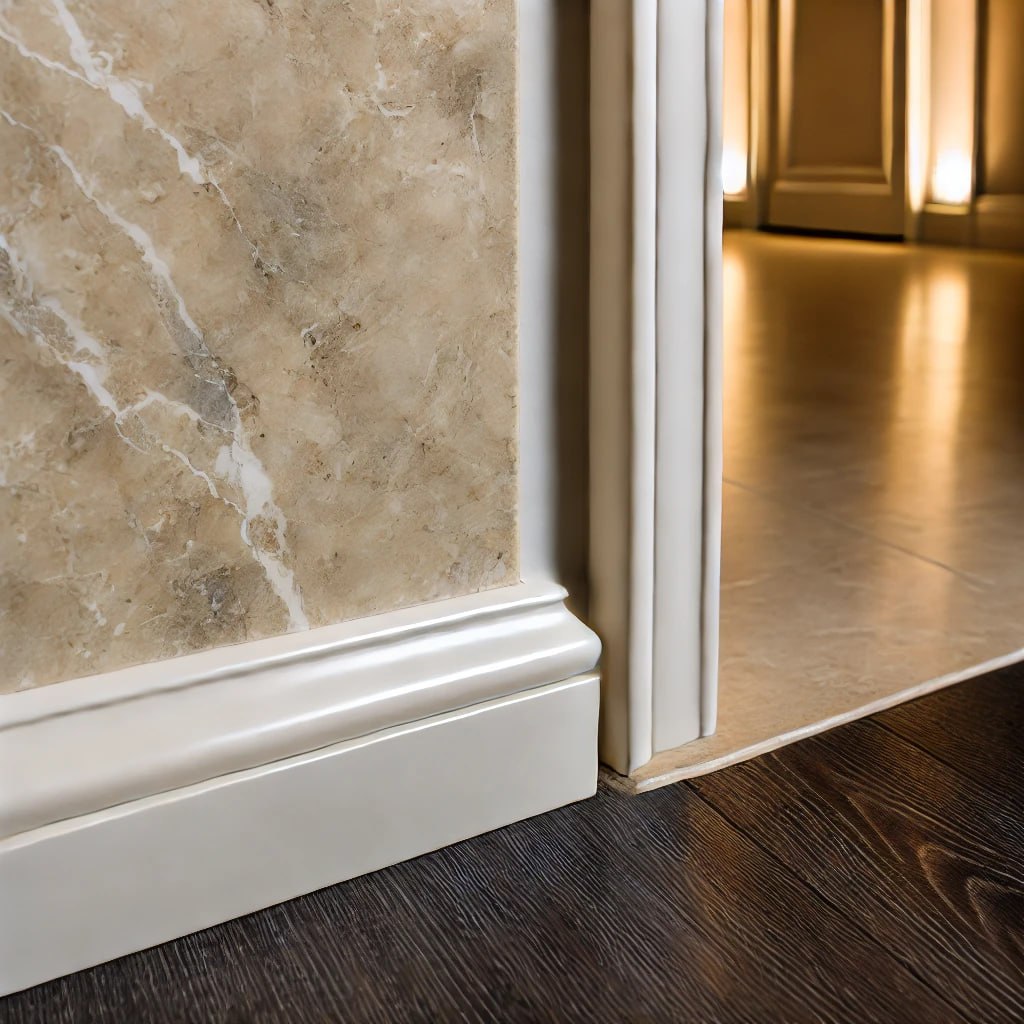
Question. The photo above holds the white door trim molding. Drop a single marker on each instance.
(655, 369)
(309, 758)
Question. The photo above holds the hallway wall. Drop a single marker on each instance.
(1000, 204)
(958, 176)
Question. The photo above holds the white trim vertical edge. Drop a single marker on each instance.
(644, 375)
(714, 371)
(655, 370)
(682, 121)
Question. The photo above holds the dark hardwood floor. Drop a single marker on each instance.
(875, 873)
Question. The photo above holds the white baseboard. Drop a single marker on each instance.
(152, 802)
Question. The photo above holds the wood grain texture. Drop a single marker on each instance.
(611, 910)
(920, 856)
(852, 877)
(977, 728)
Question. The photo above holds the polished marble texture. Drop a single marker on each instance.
(874, 498)
(257, 319)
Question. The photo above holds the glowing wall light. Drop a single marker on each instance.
(919, 32)
(952, 178)
(734, 172)
(735, 96)
(952, 100)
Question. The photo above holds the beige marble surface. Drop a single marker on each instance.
(257, 319)
(873, 540)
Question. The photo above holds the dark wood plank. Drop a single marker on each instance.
(926, 860)
(617, 909)
(977, 727)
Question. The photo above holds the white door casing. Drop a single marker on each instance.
(655, 416)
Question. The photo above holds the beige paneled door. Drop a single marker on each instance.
(836, 115)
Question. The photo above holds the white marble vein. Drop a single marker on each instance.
(126, 95)
(257, 313)
(236, 463)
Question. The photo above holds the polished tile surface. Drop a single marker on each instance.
(874, 497)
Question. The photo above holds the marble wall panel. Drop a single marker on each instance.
(257, 319)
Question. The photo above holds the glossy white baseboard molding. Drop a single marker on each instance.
(81, 746)
(82, 891)
(153, 801)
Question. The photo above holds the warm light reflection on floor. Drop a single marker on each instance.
(929, 390)
(737, 380)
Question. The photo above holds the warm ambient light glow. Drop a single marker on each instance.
(952, 99)
(734, 172)
(735, 96)
(919, 35)
(951, 179)
(930, 387)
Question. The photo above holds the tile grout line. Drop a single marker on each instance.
(970, 578)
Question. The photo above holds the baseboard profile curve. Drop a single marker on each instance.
(151, 802)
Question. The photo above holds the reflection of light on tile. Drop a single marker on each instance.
(734, 288)
(933, 333)
(737, 368)
(734, 172)
(947, 310)
(951, 179)
(929, 397)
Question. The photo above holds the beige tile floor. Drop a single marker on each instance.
(874, 497)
